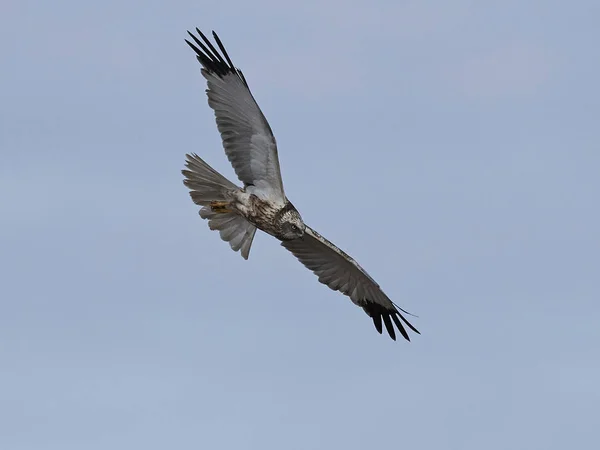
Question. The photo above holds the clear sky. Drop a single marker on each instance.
(453, 148)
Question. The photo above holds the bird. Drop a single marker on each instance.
(237, 212)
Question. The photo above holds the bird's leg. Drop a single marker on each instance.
(220, 207)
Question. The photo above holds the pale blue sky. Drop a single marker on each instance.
(453, 148)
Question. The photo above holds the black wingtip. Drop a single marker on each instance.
(382, 315)
(408, 324)
(222, 48)
(214, 61)
(377, 321)
(213, 51)
(388, 326)
(404, 311)
(400, 327)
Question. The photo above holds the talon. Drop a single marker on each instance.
(220, 207)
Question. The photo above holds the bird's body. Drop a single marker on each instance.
(236, 212)
(270, 217)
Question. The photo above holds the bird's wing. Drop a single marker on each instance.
(247, 137)
(341, 273)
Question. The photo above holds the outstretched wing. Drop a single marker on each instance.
(341, 273)
(247, 137)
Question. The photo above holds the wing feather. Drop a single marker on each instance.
(247, 138)
(340, 272)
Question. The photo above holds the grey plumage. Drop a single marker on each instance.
(340, 272)
(205, 183)
(206, 186)
(247, 137)
(236, 212)
(233, 228)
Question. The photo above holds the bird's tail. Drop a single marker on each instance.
(212, 190)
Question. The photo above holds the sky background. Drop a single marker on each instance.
(453, 148)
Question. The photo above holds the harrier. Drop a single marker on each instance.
(237, 212)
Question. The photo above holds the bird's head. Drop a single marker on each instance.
(291, 225)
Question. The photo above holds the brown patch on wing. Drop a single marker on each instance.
(220, 207)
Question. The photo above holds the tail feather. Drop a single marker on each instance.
(232, 227)
(207, 185)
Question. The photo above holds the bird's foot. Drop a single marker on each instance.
(220, 207)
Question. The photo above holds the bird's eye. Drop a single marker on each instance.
(294, 227)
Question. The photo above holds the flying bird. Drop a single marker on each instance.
(261, 203)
